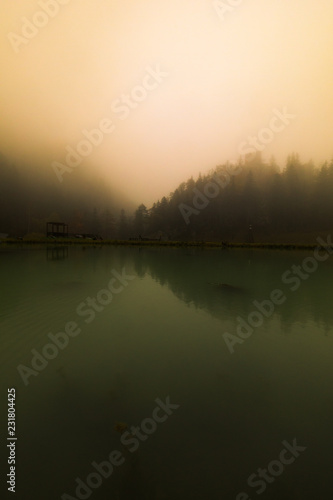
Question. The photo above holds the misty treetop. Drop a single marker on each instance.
(224, 203)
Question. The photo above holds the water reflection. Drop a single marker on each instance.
(57, 253)
(234, 410)
(225, 283)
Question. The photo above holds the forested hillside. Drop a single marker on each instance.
(224, 203)
(233, 202)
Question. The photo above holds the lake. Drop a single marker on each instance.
(166, 373)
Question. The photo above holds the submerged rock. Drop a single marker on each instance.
(226, 286)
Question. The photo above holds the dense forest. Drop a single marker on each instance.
(250, 200)
(238, 202)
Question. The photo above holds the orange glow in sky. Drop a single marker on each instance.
(221, 78)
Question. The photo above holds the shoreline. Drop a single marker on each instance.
(178, 244)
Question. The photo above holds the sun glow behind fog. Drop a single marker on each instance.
(224, 79)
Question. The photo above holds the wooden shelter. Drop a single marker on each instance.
(57, 229)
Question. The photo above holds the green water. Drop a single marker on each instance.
(162, 335)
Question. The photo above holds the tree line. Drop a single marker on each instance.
(249, 198)
(221, 205)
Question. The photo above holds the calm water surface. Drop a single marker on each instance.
(162, 336)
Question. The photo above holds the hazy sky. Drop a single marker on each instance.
(224, 72)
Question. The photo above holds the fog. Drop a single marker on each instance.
(209, 78)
